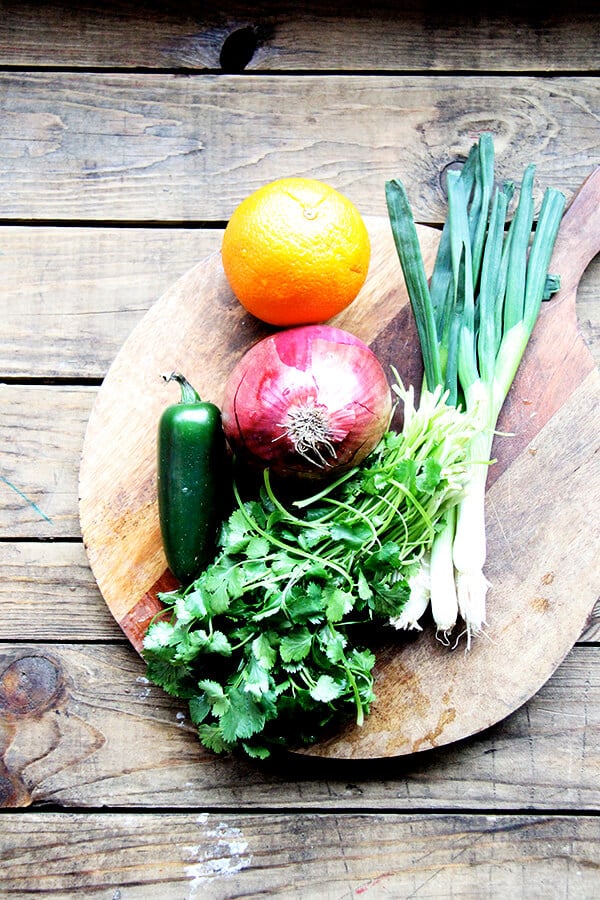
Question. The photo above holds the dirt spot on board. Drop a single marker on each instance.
(540, 604)
(447, 716)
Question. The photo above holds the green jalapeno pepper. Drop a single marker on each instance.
(192, 486)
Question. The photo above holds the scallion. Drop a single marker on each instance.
(484, 298)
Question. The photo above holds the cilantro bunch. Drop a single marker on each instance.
(268, 645)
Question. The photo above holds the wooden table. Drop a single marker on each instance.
(128, 134)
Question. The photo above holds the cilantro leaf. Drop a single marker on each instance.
(306, 603)
(362, 661)
(264, 651)
(353, 536)
(174, 678)
(213, 739)
(333, 643)
(257, 547)
(219, 643)
(190, 644)
(430, 476)
(255, 678)
(296, 645)
(310, 537)
(191, 607)
(256, 751)
(215, 696)
(169, 598)
(218, 586)
(405, 473)
(365, 591)
(284, 564)
(326, 689)
(159, 636)
(243, 718)
(338, 603)
(388, 556)
(389, 596)
(235, 532)
(199, 708)
(317, 569)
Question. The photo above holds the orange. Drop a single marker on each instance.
(296, 252)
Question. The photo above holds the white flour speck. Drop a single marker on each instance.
(145, 691)
(219, 855)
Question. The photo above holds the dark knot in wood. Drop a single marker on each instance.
(29, 686)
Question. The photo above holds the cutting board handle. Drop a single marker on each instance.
(578, 240)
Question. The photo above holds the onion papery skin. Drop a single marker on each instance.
(307, 402)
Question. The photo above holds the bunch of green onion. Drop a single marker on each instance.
(474, 319)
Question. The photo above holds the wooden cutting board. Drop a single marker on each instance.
(542, 501)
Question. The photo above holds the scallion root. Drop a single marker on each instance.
(418, 599)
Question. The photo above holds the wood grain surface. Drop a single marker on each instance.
(424, 693)
(74, 294)
(221, 856)
(188, 149)
(284, 36)
(104, 204)
(67, 742)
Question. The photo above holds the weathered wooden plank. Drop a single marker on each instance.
(70, 716)
(165, 147)
(329, 856)
(48, 592)
(313, 35)
(40, 603)
(41, 434)
(71, 296)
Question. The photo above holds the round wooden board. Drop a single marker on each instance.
(542, 500)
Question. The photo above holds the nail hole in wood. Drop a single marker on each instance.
(238, 49)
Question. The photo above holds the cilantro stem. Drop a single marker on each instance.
(289, 517)
(245, 641)
(328, 489)
(289, 548)
(360, 712)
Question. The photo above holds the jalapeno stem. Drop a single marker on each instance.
(188, 393)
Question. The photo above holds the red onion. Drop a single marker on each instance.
(310, 402)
